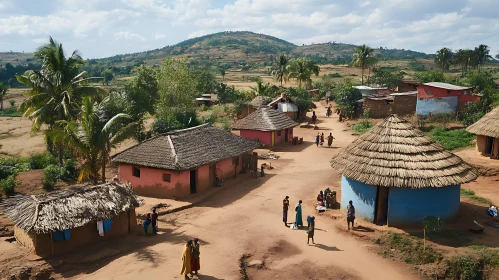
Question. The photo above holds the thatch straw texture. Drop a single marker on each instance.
(260, 101)
(488, 125)
(396, 154)
(186, 149)
(265, 119)
(70, 208)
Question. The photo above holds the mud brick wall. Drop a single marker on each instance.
(404, 105)
(378, 109)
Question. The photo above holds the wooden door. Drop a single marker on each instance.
(193, 181)
(213, 175)
(273, 139)
(381, 210)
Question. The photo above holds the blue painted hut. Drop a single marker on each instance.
(396, 175)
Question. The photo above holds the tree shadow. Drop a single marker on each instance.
(362, 229)
(328, 248)
(207, 277)
(290, 148)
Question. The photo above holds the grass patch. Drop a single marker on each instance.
(10, 112)
(471, 194)
(408, 248)
(451, 139)
(478, 265)
(362, 127)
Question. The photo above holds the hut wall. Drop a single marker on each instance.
(363, 197)
(203, 178)
(264, 137)
(291, 115)
(404, 105)
(226, 169)
(25, 239)
(408, 207)
(481, 143)
(378, 109)
(441, 105)
(84, 236)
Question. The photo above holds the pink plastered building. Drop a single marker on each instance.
(184, 162)
(268, 126)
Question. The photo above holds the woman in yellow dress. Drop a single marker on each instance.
(186, 260)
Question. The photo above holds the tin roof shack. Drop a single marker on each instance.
(443, 98)
(369, 91)
(395, 174)
(404, 103)
(207, 99)
(408, 85)
(487, 134)
(285, 105)
(67, 220)
(267, 125)
(183, 162)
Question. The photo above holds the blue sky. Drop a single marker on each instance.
(101, 28)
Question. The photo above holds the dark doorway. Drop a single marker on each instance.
(193, 181)
(286, 135)
(490, 145)
(213, 175)
(381, 209)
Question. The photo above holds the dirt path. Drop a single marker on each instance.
(246, 219)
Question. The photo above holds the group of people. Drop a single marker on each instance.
(190, 258)
(319, 139)
(298, 219)
(325, 198)
(151, 223)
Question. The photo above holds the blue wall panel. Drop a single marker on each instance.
(442, 105)
(363, 197)
(410, 206)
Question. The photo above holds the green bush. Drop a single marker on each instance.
(362, 127)
(40, 161)
(10, 112)
(51, 174)
(69, 171)
(451, 139)
(8, 185)
(473, 267)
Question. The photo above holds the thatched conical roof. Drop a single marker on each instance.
(396, 154)
(488, 125)
(265, 119)
(260, 101)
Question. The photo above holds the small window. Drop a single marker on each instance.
(465, 92)
(429, 92)
(167, 177)
(278, 133)
(136, 172)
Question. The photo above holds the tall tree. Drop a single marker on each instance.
(443, 58)
(3, 93)
(464, 58)
(302, 69)
(386, 78)
(57, 89)
(280, 71)
(364, 58)
(261, 88)
(482, 54)
(222, 73)
(107, 76)
(92, 137)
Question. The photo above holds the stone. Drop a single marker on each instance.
(255, 263)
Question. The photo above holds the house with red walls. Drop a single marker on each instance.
(443, 98)
(184, 162)
(267, 125)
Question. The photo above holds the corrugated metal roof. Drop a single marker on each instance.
(287, 107)
(409, 93)
(446, 86)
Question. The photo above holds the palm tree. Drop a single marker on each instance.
(281, 71)
(93, 136)
(3, 93)
(443, 58)
(464, 58)
(261, 88)
(57, 89)
(482, 55)
(302, 69)
(364, 58)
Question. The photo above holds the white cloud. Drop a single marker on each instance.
(159, 36)
(128, 36)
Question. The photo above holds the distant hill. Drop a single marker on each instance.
(241, 49)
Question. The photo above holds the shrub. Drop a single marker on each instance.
(40, 161)
(12, 103)
(51, 174)
(362, 127)
(451, 139)
(69, 171)
(8, 185)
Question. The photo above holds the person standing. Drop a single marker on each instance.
(322, 139)
(186, 259)
(195, 264)
(350, 214)
(154, 221)
(314, 117)
(147, 222)
(262, 167)
(298, 218)
(317, 139)
(330, 140)
(311, 230)
(285, 207)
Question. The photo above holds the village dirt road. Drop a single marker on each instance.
(247, 219)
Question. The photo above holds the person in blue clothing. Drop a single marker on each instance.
(147, 222)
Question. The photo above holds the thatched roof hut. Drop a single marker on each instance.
(260, 101)
(265, 119)
(186, 149)
(488, 125)
(396, 154)
(70, 208)
(396, 174)
(487, 132)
